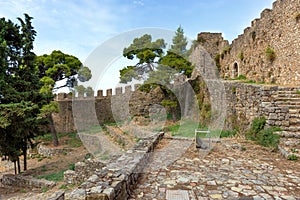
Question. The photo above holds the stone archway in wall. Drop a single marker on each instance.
(235, 70)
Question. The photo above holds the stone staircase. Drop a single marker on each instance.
(289, 98)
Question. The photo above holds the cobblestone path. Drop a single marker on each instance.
(234, 169)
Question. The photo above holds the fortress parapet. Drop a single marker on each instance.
(109, 93)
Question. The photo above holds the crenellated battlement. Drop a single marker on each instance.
(277, 29)
(127, 90)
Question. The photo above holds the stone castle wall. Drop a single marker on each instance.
(213, 43)
(82, 112)
(277, 28)
(248, 101)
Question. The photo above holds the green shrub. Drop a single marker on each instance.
(44, 168)
(267, 138)
(243, 148)
(258, 124)
(217, 60)
(72, 167)
(270, 53)
(293, 157)
(241, 56)
(264, 137)
(226, 50)
(298, 92)
(233, 90)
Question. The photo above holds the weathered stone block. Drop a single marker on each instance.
(273, 116)
(97, 197)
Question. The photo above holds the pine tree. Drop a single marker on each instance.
(179, 43)
(161, 68)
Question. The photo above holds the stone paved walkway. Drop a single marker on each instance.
(234, 169)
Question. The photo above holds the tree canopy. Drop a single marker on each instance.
(58, 66)
(26, 86)
(156, 66)
(147, 52)
(55, 67)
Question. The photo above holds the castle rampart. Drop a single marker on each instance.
(105, 108)
(268, 51)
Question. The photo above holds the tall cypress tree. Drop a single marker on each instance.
(20, 99)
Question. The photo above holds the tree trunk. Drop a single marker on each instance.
(173, 111)
(53, 131)
(19, 167)
(24, 149)
(15, 165)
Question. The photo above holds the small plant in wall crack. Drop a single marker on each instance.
(270, 54)
(297, 17)
(241, 56)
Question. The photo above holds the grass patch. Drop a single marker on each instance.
(115, 124)
(187, 129)
(241, 77)
(44, 189)
(63, 187)
(105, 157)
(298, 92)
(59, 176)
(228, 133)
(250, 81)
(74, 142)
(46, 137)
(66, 187)
(23, 190)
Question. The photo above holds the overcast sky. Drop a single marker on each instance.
(78, 27)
